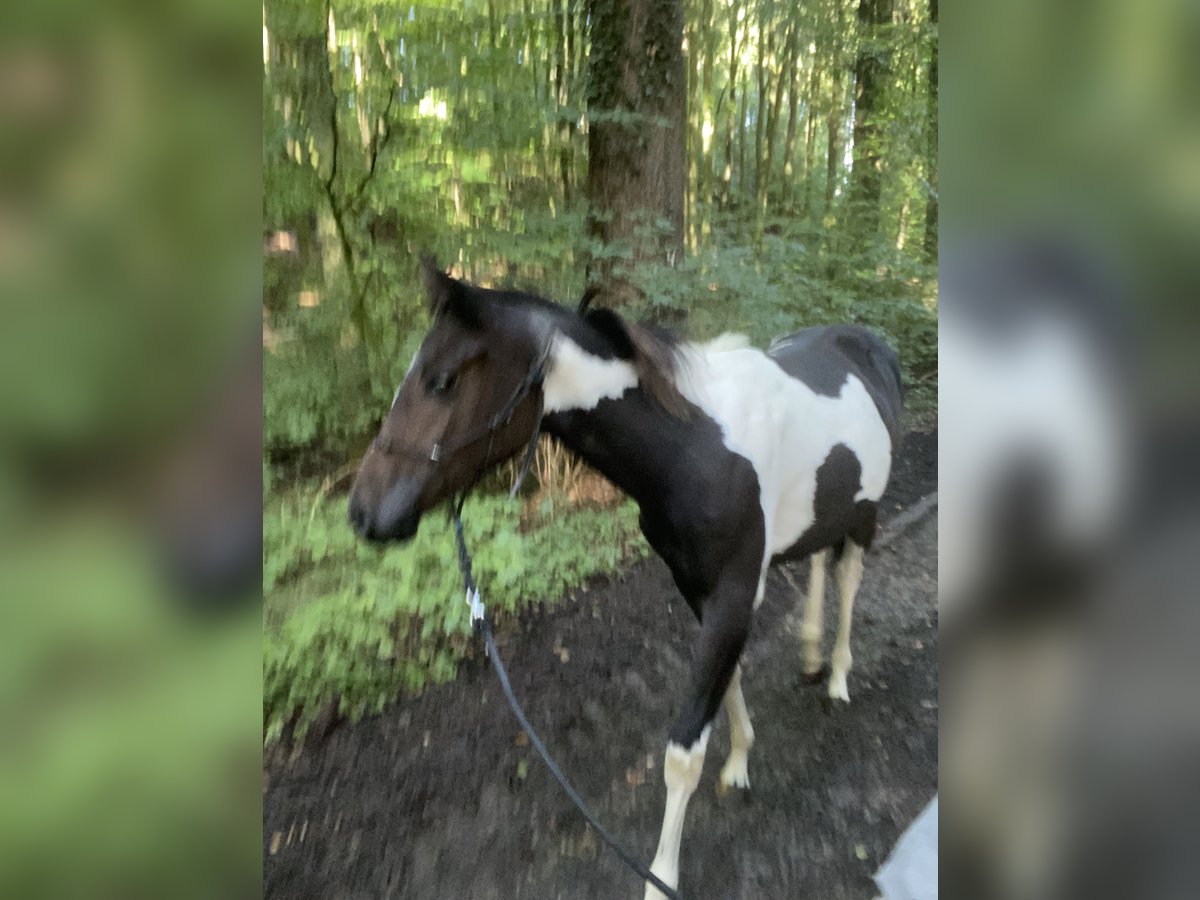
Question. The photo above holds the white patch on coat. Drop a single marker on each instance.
(849, 576)
(575, 379)
(786, 430)
(681, 772)
(812, 632)
(734, 774)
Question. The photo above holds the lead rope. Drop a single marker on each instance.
(482, 623)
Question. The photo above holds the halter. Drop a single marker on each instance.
(533, 378)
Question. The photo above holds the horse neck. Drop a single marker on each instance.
(630, 440)
(597, 408)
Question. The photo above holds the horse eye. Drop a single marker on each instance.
(442, 384)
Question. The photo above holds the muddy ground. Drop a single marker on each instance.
(441, 796)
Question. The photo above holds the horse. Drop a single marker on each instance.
(736, 457)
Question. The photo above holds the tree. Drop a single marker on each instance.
(637, 121)
(461, 129)
(870, 74)
(930, 243)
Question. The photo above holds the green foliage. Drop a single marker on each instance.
(459, 129)
(433, 127)
(316, 399)
(789, 283)
(353, 625)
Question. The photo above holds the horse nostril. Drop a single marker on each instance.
(358, 518)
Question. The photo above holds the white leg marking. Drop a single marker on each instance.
(741, 735)
(849, 577)
(681, 772)
(813, 629)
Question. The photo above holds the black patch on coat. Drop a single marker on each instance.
(837, 516)
(701, 513)
(824, 355)
(699, 500)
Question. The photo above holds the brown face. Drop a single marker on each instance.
(463, 376)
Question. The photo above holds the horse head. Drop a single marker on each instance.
(470, 401)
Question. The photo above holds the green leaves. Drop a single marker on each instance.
(789, 284)
(362, 626)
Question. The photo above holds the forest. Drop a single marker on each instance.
(709, 165)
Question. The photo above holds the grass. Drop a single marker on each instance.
(349, 627)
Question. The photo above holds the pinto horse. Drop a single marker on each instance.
(735, 457)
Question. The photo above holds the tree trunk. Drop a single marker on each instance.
(742, 141)
(810, 135)
(531, 57)
(773, 113)
(834, 149)
(765, 50)
(636, 137)
(870, 74)
(494, 43)
(789, 138)
(730, 106)
(692, 134)
(566, 128)
(930, 243)
(704, 188)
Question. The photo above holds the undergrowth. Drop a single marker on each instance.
(349, 627)
(783, 285)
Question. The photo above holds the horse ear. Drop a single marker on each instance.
(437, 284)
(444, 293)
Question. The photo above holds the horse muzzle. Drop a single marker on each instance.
(394, 518)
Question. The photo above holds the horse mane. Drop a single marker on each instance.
(654, 352)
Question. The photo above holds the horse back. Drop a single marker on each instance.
(824, 355)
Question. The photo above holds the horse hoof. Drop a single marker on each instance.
(730, 781)
(838, 692)
(816, 677)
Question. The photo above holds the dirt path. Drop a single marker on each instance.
(441, 797)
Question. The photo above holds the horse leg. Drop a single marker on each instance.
(812, 631)
(726, 623)
(741, 736)
(849, 577)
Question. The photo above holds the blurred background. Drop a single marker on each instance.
(147, 199)
(130, 497)
(1070, 155)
